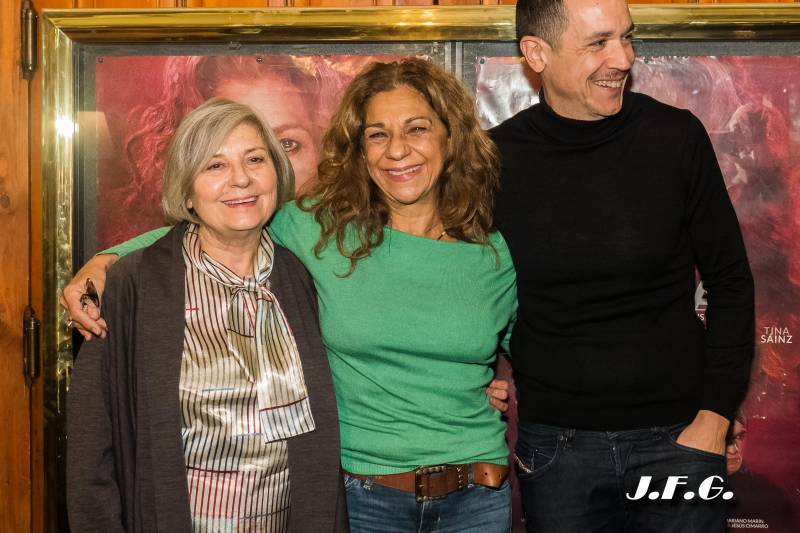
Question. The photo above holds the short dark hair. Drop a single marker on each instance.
(546, 19)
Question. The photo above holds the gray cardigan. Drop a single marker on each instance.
(125, 463)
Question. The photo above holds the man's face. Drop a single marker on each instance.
(585, 72)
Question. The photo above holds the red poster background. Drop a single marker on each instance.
(140, 100)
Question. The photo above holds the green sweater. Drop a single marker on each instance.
(410, 335)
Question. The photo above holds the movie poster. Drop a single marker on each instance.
(140, 100)
(750, 106)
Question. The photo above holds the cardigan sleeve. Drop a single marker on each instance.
(94, 500)
(721, 259)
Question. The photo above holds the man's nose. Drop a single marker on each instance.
(620, 55)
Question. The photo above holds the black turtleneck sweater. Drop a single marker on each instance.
(606, 222)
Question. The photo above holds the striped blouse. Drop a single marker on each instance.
(238, 481)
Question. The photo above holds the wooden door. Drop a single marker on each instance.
(15, 396)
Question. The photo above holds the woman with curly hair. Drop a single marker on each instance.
(415, 290)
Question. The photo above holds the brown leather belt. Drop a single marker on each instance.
(432, 482)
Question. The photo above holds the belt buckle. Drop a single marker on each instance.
(424, 473)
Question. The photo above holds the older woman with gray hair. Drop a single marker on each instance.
(210, 396)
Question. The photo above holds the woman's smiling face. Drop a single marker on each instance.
(236, 191)
(405, 143)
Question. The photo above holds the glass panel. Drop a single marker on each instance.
(132, 100)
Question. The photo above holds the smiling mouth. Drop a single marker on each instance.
(611, 84)
(240, 202)
(402, 173)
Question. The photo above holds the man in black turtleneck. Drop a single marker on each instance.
(609, 202)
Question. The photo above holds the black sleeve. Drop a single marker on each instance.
(720, 257)
(93, 494)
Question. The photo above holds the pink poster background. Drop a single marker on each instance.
(140, 100)
(751, 108)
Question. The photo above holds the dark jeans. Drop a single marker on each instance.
(474, 509)
(576, 481)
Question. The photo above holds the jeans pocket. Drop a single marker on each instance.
(671, 436)
(538, 449)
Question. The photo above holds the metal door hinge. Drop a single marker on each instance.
(29, 46)
(30, 348)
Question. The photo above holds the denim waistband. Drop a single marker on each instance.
(623, 434)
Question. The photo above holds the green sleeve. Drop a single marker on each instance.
(137, 243)
(298, 231)
(281, 223)
(294, 229)
(505, 344)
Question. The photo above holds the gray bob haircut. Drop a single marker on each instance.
(200, 136)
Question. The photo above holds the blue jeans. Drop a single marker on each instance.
(575, 481)
(477, 509)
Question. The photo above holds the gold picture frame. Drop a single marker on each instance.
(65, 32)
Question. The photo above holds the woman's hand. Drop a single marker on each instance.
(81, 297)
(497, 391)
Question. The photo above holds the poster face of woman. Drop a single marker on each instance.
(750, 106)
(142, 99)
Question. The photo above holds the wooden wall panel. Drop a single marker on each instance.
(15, 442)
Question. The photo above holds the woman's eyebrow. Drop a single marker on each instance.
(406, 121)
(291, 126)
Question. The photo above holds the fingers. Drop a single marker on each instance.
(84, 316)
(89, 335)
(498, 404)
(103, 327)
(499, 384)
(88, 325)
(498, 388)
(498, 394)
(63, 302)
(93, 312)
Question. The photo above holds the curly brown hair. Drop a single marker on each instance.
(346, 199)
